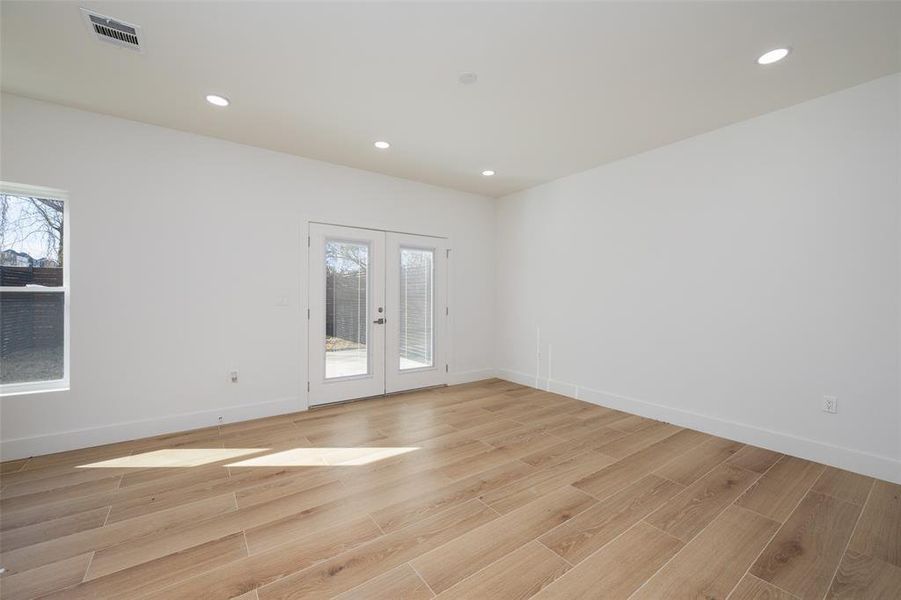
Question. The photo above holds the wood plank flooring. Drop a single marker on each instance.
(484, 490)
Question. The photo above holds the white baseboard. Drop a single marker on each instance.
(12, 449)
(131, 430)
(470, 376)
(874, 465)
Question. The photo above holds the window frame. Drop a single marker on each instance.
(55, 385)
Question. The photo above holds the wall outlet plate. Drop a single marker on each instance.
(830, 404)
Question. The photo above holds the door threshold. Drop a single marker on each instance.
(422, 389)
(385, 395)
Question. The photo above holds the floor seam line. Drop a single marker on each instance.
(534, 539)
(664, 477)
(474, 573)
(685, 544)
(488, 506)
(775, 533)
(661, 530)
(246, 543)
(421, 578)
(685, 488)
(371, 518)
(563, 558)
(88, 568)
(850, 537)
(754, 511)
(584, 510)
(628, 529)
(710, 470)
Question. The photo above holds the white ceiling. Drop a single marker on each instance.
(562, 87)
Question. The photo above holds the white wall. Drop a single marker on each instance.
(726, 282)
(180, 248)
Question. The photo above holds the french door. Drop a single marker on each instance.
(377, 312)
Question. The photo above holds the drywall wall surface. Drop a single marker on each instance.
(182, 247)
(726, 282)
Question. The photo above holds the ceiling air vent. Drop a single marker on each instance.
(113, 31)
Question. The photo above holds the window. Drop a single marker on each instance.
(34, 289)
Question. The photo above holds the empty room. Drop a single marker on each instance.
(486, 300)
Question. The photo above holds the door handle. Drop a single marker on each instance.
(380, 321)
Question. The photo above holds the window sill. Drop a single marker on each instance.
(38, 387)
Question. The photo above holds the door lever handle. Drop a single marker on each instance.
(380, 321)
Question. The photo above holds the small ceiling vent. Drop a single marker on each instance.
(113, 31)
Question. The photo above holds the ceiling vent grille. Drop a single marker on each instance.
(113, 31)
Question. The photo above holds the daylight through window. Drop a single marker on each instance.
(34, 289)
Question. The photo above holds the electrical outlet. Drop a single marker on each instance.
(233, 376)
(830, 404)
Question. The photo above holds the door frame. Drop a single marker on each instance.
(445, 319)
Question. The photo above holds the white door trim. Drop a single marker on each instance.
(321, 391)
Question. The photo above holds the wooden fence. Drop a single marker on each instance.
(32, 319)
(20, 276)
(345, 306)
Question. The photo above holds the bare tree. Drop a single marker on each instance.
(346, 258)
(26, 219)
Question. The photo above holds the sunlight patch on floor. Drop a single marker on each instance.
(173, 457)
(318, 457)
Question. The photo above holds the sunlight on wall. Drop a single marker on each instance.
(174, 457)
(311, 457)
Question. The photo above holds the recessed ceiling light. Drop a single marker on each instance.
(217, 100)
(382, 145)
(487, 172)
(773, 56)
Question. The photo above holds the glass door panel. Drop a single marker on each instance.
(346, 309)
(346, 323)
(416, 308)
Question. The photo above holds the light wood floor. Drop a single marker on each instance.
(486, 490)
